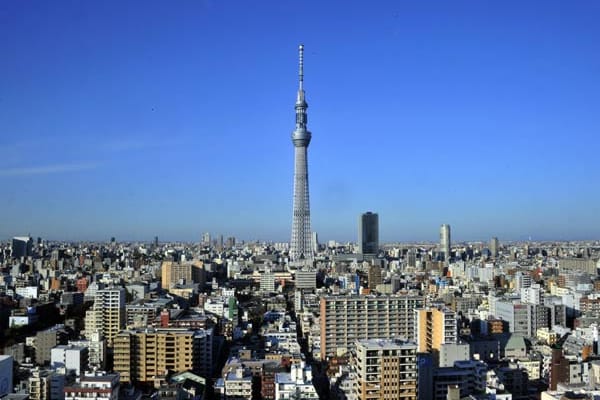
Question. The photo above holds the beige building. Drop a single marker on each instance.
(435, 327)
(345, 319)
(173, 273)
(107, 315)
(141, 355)
(386, 369)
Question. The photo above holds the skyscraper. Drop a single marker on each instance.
(301, 245)
(494, 246)
(368, 233)
(445, 241)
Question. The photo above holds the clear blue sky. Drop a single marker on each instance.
(141, 118)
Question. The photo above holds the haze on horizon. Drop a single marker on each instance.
(146, 118)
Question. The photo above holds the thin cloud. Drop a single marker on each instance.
(46, 169)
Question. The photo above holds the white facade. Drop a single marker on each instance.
(96, 346)
(297, 384)
(72, 358)
(29, 292)
(98, 387)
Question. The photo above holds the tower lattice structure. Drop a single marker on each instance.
(301, 245)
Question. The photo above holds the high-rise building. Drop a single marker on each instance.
(368, 233)
(345, 319)
(206, 239)
(435, 327)
(107, 315)
(315, 242)
(494, 246)
(22, 246)
(301, 249)
(445, 243)
(386, 369)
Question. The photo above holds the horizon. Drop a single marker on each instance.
(143, 119)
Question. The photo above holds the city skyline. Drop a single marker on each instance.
(119, 122)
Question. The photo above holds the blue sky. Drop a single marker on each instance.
(135, 119)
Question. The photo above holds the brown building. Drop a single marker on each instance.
(82, 284)
(496, 326)
(140, 355)
(386, 369)
(559, 369)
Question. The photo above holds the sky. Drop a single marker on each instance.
(172, 118)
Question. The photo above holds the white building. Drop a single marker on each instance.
(96, 346)
(236, 385)
(28, 292)
(96, 386)
(297, 384)
(71, 358)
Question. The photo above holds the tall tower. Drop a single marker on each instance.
(301, 246)
(368, 233)
(445, 241)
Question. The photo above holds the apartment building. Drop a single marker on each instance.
(345, 319)
(434, 327)
(140, 355)
(173, 273)
(107, 315)
(386, 369)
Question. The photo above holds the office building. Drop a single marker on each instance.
(206, 239)
(301, 249)
(107, 315)
(345, 319)
(22, 246)
(368, 233)
(386, 369)
(445, 244)
(494, 247)
(140, 355)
